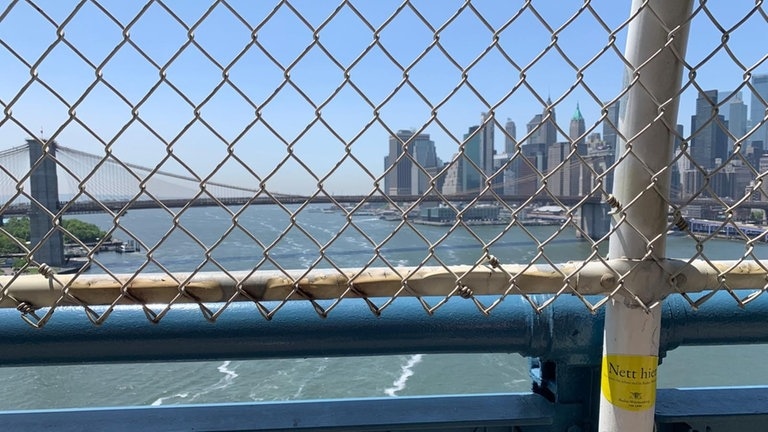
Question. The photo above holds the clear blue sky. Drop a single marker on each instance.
(224, 37)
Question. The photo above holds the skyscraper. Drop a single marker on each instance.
(680, 167)
(467, 172)
(487, 128)
(426, 165)
(510, 137)
(559, 182)
(405, 178)
(577, 128)
(611, 125)
(579, 173)
(723, 99)
(737, 120)
(542, 132)
(757, 108)
(708, 146)
(506, 184)
(708, 138)
(471, 178)
(568, 172)
(542, 128)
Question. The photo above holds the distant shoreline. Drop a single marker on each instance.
(70, 269)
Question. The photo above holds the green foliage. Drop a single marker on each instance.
(8, 246)
(18, 227)
(84, 231)
(757, 215)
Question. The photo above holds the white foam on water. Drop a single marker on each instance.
(406, 371)
(224, 382)
(308, 377)
(373, 219)
(299, 390)
(230, 374)
(160, 401)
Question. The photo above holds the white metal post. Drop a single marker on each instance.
(656, 40)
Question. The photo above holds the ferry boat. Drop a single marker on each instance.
(706, 227)
(390, 215)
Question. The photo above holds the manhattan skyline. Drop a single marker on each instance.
(149, 79)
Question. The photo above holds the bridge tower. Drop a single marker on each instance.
(45, 190)
(595, 220)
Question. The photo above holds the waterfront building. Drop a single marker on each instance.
(447, 215)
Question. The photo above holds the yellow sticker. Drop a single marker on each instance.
(629, 381)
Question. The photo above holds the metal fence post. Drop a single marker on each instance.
(656, 41)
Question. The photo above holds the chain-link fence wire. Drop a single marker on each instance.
(239, 151)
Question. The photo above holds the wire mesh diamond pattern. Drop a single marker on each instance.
(228, 151)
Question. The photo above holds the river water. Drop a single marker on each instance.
(261, 228)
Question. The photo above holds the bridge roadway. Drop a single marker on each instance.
(119, 206)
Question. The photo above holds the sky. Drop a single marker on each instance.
(292, 109)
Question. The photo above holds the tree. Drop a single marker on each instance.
(757, 215)
(84, 231)
(18, 227)
(7, 245)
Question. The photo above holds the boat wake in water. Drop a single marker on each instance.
(224, 382)
(406, 371)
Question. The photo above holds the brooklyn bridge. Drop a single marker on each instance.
(87, 183)
(45, 181)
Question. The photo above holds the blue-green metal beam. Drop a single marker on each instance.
(447, 413)
(564, 331)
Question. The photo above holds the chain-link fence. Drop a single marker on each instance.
(213, 152)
